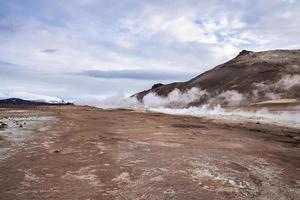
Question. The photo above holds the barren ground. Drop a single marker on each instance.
(70, 152)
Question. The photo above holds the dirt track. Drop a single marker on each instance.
(88, 153)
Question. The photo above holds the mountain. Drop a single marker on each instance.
(255, 76)
(18, 101)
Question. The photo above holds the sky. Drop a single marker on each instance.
(89, 49)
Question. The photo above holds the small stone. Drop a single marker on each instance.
(2, 125)
(205, 187)
(57, 151)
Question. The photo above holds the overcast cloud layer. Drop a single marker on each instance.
(94, 48)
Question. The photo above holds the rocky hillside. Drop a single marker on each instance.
(256, 76)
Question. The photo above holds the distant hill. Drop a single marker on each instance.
(17, 101)
(257, 76)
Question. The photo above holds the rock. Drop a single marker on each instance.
(244, 52)
(57, 151)
(157, 85)
(2, 125)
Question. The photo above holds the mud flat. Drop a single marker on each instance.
(87, 153)
(17, 126)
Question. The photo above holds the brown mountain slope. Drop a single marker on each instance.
(259, 74)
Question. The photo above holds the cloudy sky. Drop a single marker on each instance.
(94, 48)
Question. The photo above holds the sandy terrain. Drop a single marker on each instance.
(69, 152)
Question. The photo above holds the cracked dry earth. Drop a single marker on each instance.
(87, 153)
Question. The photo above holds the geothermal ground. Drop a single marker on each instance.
(71, 152)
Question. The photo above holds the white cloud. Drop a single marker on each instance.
(176, 35)
(289, 1)
(125, 43)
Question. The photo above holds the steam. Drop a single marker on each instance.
(288, 82)
(198, 102)
(175, 99)
(118, 100)
(213, 106)
(183, 99)
(291, 118)
(272, 91)
(229, 98)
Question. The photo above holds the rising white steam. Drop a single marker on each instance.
(288, 82)
(118, 100)
(291, 118)
(229, 98)
(180, 103)
(273, 90)
(183, 99)
(175, 99)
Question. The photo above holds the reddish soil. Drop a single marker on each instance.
(89, 153)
